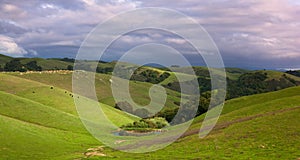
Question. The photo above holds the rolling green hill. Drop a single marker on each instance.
(264, 126)
(4, 59)
(139, 90)
(49, 96)
(38, 120)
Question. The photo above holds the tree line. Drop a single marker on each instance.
(15, 65)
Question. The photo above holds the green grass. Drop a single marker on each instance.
(4, 59)
(33, 112)
(53, 97)
(139, 90)
(45, 125)
(273, 133)
(24, 140)
(277, 75)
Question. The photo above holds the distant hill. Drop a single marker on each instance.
(294, 72)
(4, 59)
(46, 64)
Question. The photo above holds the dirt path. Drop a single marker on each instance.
(227, 124)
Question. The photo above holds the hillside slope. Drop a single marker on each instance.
(4, 59)
(63, 79)
(38, 121)
(264, 126)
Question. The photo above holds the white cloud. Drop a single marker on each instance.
(9, 47)
(175, 40)
(49, 6)
(135, 39)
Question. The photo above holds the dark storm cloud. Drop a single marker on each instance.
(247, 32)
(10, 28)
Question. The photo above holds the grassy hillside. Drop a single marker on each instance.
(49, 96)
(40, 122)
(139, 90)
(25, 140)
(264, 126)
(4, 59)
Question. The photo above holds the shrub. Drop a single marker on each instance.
(146, 124)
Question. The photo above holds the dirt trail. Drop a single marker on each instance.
(227, 124)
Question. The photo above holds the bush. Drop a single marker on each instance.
(168, 114)
(146, 124)
(70, 67)
(104, 70)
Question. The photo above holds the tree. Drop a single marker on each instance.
(14, 65)
(32, 66)
(70, 67)
(168, 114)
(68, 60)
(1, 69)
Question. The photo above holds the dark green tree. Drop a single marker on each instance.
(32, 66)
(70, 67)
(14, 65)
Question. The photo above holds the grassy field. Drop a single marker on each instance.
(139, 90)
(264, 126)
(4, 59)
(38, 120)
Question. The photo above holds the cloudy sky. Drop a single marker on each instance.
(248, 33)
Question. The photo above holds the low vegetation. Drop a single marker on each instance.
(146, 125)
